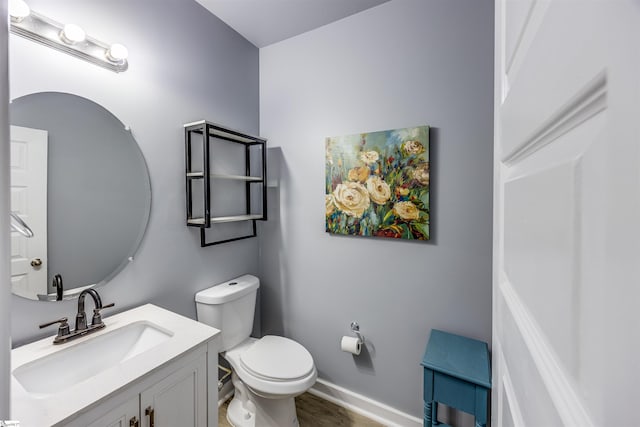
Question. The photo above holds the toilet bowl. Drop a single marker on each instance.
(267, 372)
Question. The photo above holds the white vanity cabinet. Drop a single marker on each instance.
(125, 415)
(175, 396)
(178, 400)
(173, 383)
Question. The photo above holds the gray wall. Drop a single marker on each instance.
(404, 63)
(185, 65)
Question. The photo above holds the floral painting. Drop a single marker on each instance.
(377, 184)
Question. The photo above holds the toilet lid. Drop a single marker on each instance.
(277, 359)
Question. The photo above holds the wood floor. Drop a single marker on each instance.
(316, 412)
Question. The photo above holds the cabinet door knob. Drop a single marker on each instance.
(133, 422)
(36, 262)
(151, 413)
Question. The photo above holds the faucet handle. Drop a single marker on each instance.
(63, 329)
(97, 318)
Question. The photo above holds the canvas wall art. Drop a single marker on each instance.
(377, 184)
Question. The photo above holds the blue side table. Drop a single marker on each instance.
(457, 373)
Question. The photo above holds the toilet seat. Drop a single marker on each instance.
(256, 376)
(276, 358)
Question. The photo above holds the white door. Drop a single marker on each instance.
(29, 200)
(566, 299)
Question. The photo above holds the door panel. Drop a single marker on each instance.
(528, 388)
(544, 230)
(566, 209)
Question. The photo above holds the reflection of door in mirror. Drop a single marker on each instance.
(29, 200)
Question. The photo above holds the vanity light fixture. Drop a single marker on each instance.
(69, 38)
(18, 10)
(72, 34)
(117, 53)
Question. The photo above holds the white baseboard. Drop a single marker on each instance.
(363, 405)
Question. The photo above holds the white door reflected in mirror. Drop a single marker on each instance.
(29, 199)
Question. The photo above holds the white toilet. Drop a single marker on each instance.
(267, 372)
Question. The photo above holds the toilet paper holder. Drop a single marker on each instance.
(355, 328)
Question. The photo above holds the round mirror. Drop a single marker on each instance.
(79, 180)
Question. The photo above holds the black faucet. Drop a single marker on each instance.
(65, 335)
(81, 317)
(57, 284)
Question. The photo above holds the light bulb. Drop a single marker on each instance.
(71, 33)
(18, 10)
(117, 53)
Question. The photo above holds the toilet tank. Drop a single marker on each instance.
(229, 307)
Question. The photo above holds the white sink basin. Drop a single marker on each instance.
(69, 366)
(53, 384)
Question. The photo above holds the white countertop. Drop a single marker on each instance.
(38, 410)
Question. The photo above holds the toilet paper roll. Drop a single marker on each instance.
(351, 345)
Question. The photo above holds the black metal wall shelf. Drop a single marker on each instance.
(195, 175)
(254, 178)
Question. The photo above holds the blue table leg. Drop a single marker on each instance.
(427, 414)
(434, 414)
(481, 406)
(428, 398)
